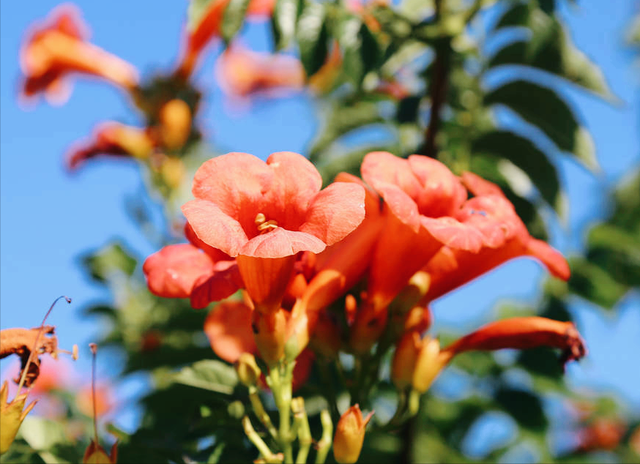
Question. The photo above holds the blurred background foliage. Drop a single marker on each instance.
(476, 84)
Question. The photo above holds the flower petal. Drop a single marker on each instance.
(383, 167)
(441, 193)
(335, 212)
(172, 271)
(228, 328)
(235, 183)
(296, 181)
(214, 227)
(280, 243)
(551, 258)
(479, 186)
(454, 234)
(221, 284)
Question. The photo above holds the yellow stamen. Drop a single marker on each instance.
(265, 226)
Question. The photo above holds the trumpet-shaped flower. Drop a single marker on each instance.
(58, 47)
(112, 139)
(349, 436)
(263, 214)
(505, 238)
(242, 72)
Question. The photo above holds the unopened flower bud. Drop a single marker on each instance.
(404, 360)
(175, 122)
(270, 332)
(429, 364)
(349, 436)
(247, 369)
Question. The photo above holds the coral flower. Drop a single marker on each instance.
(506, 238)
(112, 139)
(421, 199)
(242, 72)
(209, 25)
(192, 270)
(59, 47)
(263, 214)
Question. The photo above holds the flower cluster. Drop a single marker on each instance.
(348, 268)
(341, 268)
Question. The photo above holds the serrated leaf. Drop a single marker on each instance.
(551, 50)
(283, 21)
(312, 35)
(233, 19)
(209, 374)
(525, 155)
(109, 260)
(545, 109)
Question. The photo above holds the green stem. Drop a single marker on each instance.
(257, 441)
(260, 412)
(301, 423)
(324, 445)
(280, 380)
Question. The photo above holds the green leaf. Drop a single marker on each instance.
(233, 19)
(284, 20)
(525, 407)
(595, 284)
(617, 251)
(313, 35)
(551, 50)
(545, 109)
(209, 374)
(109, 260)
(526, 156)
(360, 48)
(341, 120)
(516, 16)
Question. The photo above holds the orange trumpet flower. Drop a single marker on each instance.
(243, 72)
(264, 214)
(58, 47)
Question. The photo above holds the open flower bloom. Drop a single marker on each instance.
(112, 139)
(59, 47)
(209, 27)
(421, 200)
(505, 238)
(264, 214)
(243, 72)
(192, 270)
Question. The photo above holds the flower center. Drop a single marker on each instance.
(263, 225)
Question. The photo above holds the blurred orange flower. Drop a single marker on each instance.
(58, 47)
(242, 72)
(208, 28)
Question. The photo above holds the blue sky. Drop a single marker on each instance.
(49, 217)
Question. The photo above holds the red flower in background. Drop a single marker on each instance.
(263, 214)
(58, 47)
